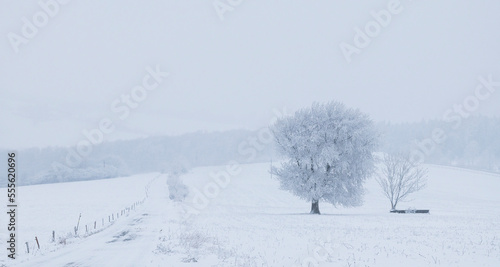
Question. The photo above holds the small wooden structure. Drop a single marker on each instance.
(410, 211)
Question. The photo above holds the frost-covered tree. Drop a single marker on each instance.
(400, 177)
(329, 154)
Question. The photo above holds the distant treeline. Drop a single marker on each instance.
(122, 158)
(471, 143)
(474, 143)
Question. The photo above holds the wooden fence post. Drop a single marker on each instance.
(78, 224)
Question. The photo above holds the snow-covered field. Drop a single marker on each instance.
(248, 221)
(57, 207)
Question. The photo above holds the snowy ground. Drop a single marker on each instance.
(250, 222)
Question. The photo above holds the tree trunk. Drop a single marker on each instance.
(315, 207)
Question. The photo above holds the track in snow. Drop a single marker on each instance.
(129, 242)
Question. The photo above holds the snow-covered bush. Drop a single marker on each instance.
(178, 191)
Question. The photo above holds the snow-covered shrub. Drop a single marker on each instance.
(178, 191)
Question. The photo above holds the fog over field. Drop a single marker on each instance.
(233, 72)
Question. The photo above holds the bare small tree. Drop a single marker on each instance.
(400, 177)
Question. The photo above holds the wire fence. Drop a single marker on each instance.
(83, 230)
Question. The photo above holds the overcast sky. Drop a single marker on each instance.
(233, 72)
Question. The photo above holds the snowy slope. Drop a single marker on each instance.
(250, 222)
